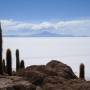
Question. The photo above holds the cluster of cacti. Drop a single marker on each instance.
(82, 71)
(8, 58)
(19, 65)
(6, 67)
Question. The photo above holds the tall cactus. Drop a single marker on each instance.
(17, 60)
(1, 69)
(82, 71)
(9, 62)
(22, 65)
(4, 67)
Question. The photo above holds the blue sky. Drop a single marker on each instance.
(48, 12)
(44, 9)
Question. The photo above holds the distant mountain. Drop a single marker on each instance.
(49, 34)
(39, 34)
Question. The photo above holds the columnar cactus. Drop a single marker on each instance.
(22, 66)
(17, 60)
(82, 71)
(9, 62)
(1, 69)
(4, 67)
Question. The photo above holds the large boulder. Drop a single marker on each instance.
(53, 72)
(61, 69)
(55, 75)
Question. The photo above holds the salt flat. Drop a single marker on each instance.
(70, 50)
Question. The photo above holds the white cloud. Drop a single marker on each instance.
(73, 26)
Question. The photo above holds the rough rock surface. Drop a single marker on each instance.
(52, 76)
(15, 83)
(55, 75)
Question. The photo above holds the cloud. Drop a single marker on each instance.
(69, 26)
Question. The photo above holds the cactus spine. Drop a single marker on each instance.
(1, 68)
(22, 66)
(9, 62)
(17, 60)
(82, 71)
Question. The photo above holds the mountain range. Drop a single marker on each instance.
(39, 33)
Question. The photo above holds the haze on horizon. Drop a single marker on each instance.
(45, 17)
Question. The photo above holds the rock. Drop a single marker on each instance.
(53, 68)
(38, 88)
(61, 69)
(35, 77)
(15, 83)
(54, 75)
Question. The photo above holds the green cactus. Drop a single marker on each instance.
(9, 62)
(22, 66)
(1, 68)
(82, 71)
(17, 60)
(4, 67)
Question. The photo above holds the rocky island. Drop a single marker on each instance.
(54, 75)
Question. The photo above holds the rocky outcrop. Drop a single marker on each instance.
(54, 75)
(51, 69)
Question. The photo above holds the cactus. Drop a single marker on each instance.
(4, 67)
(82, 71)
(9, 62)
(1, 69)
(17, 60)
(22, 66)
